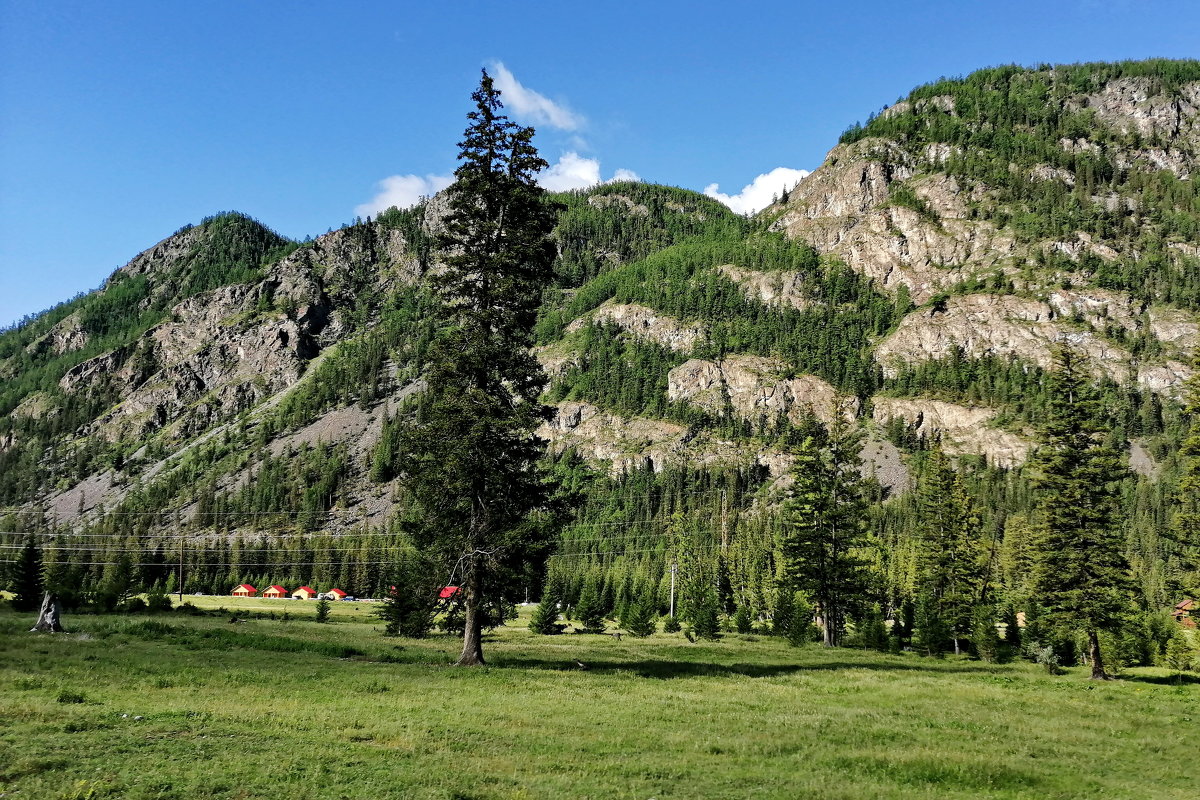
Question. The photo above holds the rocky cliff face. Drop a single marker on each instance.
(1134, 105)
(755, 388)
(645, 323)
(893, 211)
(980, 325)
(846, 208)
(633, 443)
(960, 429)
(226, 350)
(776, 289)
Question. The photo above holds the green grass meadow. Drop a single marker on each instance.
(196, 707)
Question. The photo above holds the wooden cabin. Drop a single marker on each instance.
(244, 590)
(274, 592)
(336, 594)
(304, 593)
(1182, 613)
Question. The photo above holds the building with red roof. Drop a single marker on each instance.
(1182, 612)
(336, 594)
(244, 590)
(304, 593)
(274, 592)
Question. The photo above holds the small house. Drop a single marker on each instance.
(244, 590)
(304, 593)
(336, 594)
(1182, 613)
(274, 592)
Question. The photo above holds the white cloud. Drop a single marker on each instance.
(403, 191)
(573, 171)
(624, 175)
(531, 105)
(757, 195)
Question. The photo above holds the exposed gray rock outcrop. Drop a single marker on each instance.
(980, 325)
(645, 323)
(756, 389)
(634, 443)
(777, 289)
(961, 429)
(844, 208)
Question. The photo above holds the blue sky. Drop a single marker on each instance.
(122, 121)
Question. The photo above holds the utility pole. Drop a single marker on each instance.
(674, 569)
(179, 528)
(724, 523)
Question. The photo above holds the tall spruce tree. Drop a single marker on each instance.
(951, 558)
(470, 457)
(27, 583)
(1185, 521)
(1081, 574)
(823, 526)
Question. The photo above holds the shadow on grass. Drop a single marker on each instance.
(1164, 680)
(665, 669)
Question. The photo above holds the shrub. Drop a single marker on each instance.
(1047, 659)
(157, 600)
(134, 605)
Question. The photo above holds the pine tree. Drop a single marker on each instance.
(742, 620)
(638, 619)
(27, 576)
(411, 598)
(822, 528)
(1081, 575)
(705, 618)
(470, 457)
(323, 610)
(545, 617)
(588, 611)
(931, 634)
(951, 558)
(1186, 519)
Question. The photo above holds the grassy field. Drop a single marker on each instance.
(176, 706)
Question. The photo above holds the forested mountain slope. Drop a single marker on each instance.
(243, 393)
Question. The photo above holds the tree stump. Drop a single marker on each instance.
(50, 617)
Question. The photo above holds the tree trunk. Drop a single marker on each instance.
(49, 618)
(472, 652)
(828, 629)
(1098, 673)
(957, 650)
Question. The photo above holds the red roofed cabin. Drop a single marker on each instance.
(336, 594)
(304, 593)
(244, 590)
(1182, 612)
(275, 592)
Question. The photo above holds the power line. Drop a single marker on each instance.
(664, 494)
